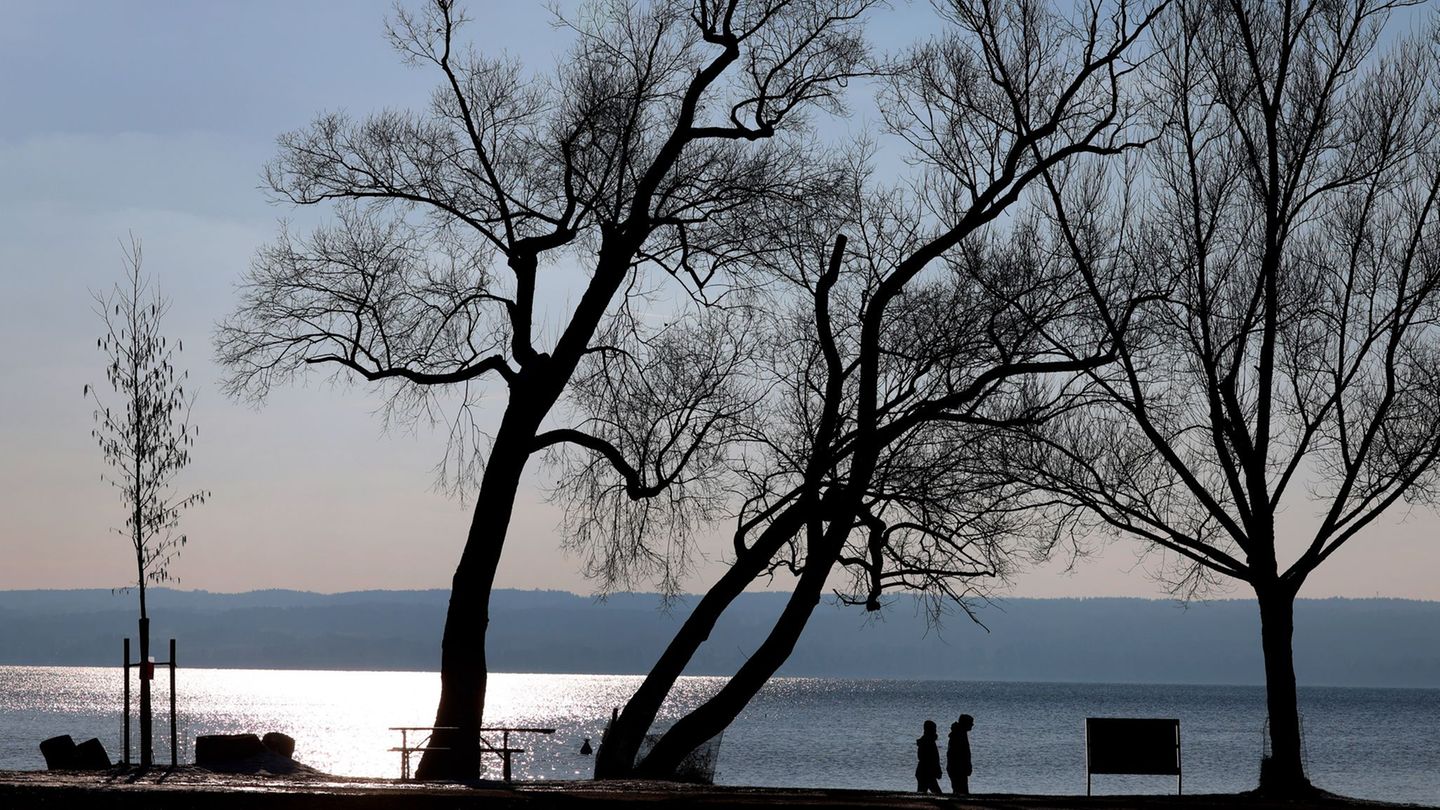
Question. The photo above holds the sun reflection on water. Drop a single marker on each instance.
(340, 720)
(815, 732)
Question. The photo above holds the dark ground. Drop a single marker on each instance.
(190, 787)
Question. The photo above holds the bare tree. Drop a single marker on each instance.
(650, 463)
(651, 153)
(1283, 233)
(146, 440)
(902, 351)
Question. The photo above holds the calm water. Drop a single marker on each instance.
(1028, 737)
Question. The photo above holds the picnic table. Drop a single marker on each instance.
(504, 750)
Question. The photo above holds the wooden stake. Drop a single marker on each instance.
(174, 729)
(125, 668)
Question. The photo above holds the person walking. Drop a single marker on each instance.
(957, 755)
(927, 770)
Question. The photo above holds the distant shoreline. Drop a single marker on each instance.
(123, 593)
(1389, 643)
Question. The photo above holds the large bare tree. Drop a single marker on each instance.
(1282, 231)
(901, 349)
(651, 153)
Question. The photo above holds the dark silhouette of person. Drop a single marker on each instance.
(957, 755)
(927, 771)
(585, 748)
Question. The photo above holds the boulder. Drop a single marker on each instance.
(247, 753)
(91, 756)
(59, 753)
(225, 749)
(282, 744)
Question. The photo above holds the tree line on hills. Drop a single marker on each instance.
(1388, 643)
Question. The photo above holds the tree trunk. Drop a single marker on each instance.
(615, 759)
(716, 714)
(462, 648)
(137, 528)
(147, 754)
(533, 393)
(1283, 772)
(462, 681)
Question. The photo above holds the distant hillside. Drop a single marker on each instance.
(1340, 642)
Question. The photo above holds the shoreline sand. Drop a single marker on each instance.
(191, 787)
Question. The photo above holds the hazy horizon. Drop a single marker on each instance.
(998, 598)
(1391, 642)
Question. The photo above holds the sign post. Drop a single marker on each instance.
(1128, 745)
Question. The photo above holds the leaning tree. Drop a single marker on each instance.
(1283, 233)
(646, 160)
(898, 352)
(146, 436)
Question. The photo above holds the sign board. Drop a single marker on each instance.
(1131, 745)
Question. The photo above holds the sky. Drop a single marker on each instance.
(154, 117)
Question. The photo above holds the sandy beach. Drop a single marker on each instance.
(189, 787)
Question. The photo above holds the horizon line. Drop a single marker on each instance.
(119, 591)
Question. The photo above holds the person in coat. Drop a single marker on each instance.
(927, 770)
(957, 755)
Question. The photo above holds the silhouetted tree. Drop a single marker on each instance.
(660, 418)
(1283, 231)
(653, 150)
(889, 382)
(146, 439)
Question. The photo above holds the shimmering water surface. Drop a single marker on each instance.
(1028, 737)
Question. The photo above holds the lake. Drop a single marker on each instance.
(806, 732)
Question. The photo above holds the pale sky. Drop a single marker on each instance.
(155, 118)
